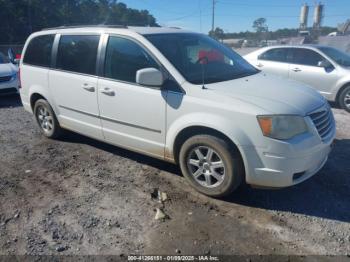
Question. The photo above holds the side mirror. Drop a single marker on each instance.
(328, 67)
(149, 77)
(324, 63)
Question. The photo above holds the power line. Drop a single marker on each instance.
(259, 5)
(248, 16)
(248, 4)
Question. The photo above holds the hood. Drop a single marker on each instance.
(274, 94)
(7, 69)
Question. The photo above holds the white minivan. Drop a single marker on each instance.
(178, 96)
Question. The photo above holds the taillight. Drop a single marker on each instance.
(19, 77)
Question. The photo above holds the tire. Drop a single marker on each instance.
(197, 164)
(46, 119)
(344, 99)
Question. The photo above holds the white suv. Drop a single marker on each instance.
(178, 96)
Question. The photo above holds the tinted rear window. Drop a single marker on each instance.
(38, 52)
(276, 54)
(78, 53)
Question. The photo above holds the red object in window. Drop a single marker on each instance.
(212, 55)
(18, 56)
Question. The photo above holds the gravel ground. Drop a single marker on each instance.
(80, 196)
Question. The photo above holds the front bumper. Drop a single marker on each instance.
(283, 169)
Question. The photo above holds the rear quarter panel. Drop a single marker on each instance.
(34, 79)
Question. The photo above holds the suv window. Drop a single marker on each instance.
(78, 53)
(200, 58)
(307, 57)
(38, 52)
(124, 58)
(276, 54)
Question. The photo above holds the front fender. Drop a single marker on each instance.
(341, 83)
(219, 123)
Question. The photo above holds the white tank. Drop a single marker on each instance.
(318, 15)
(304, 13)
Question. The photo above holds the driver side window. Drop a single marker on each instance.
(301, 56)
(124, 58)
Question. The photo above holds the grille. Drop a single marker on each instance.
(5, 78)
(323, 120)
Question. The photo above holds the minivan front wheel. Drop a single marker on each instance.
(344, 99)
(210, 165)
(46, 119)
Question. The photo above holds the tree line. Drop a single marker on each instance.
(262, 32)
(277, 34)
(19, 18)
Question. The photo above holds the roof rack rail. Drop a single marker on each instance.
(81, 26)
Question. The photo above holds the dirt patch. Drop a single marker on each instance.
(80, 196)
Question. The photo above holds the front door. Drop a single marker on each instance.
(305, 68)
(132, 116)
(73, 83)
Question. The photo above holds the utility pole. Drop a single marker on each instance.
(213, 18)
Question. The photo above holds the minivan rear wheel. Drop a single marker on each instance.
(46, 119)
(344, 99)
(210, 165)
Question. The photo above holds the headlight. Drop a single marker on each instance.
(282, 127)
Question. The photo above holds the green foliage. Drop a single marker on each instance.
(260, 25)
(218, 33)
(273, 35)
(19, 18)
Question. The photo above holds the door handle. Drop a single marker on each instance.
(296, 69)
(89, 88)
(108, 92)
(260, 65)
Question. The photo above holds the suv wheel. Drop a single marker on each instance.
(344, 99)
(210, 165)
(46, 119)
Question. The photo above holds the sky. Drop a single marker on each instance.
(238, 15)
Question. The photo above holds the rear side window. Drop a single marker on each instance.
(78, 53)
(124, 58)
(38, 52)
(306, 57)
(277, 55)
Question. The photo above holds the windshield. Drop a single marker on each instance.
(3, 59)
(201, 59)
(338, 56)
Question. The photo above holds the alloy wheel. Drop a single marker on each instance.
(206, 166)
(45, 119)
(347, 99)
